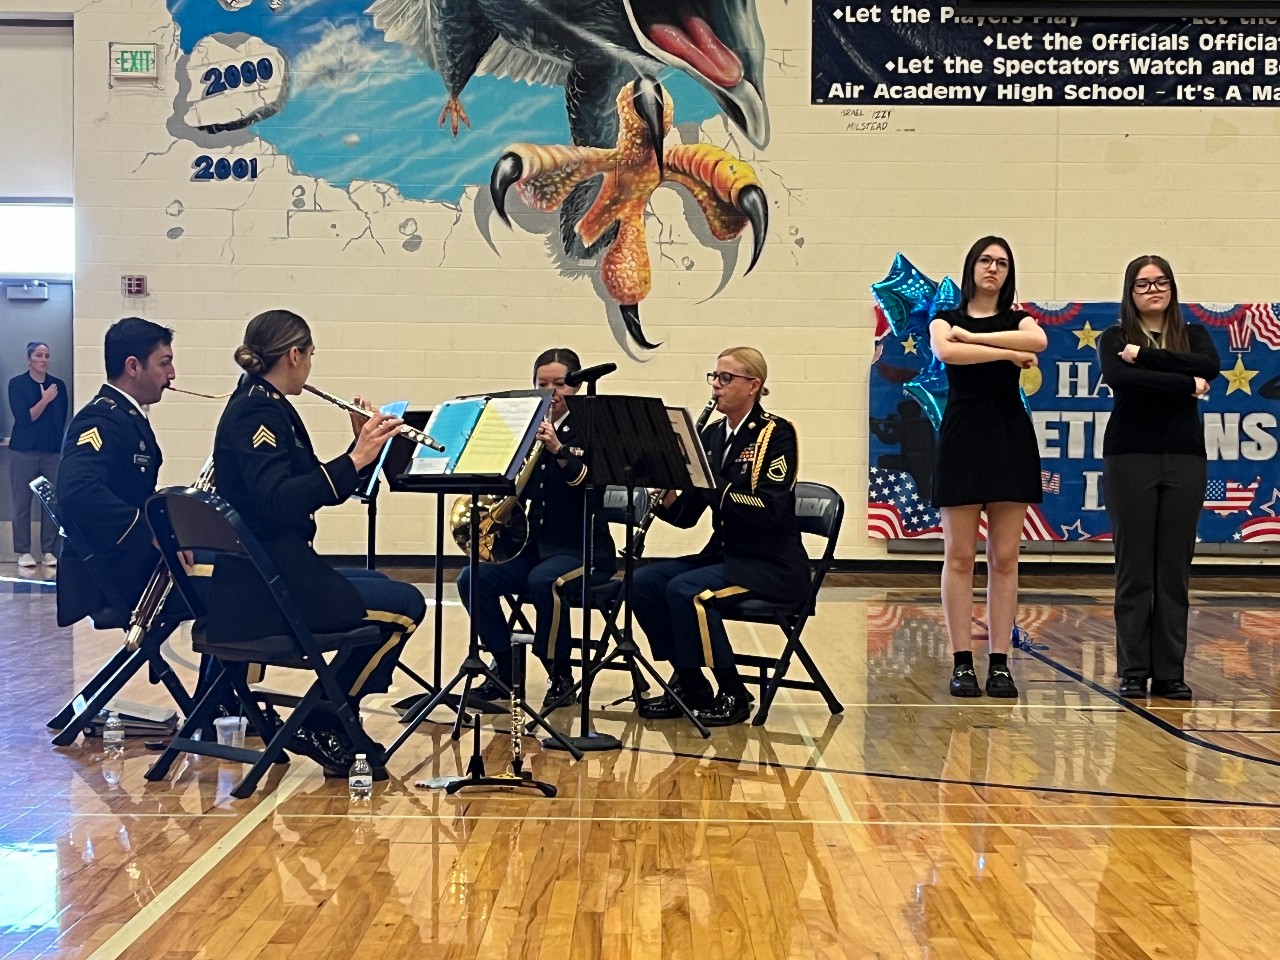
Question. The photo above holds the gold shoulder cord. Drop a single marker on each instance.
(761, 446)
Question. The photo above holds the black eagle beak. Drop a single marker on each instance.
(631, 320)
(753, 204)
(508, 170)
(646, 97)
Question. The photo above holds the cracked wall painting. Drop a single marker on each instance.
(424, 99)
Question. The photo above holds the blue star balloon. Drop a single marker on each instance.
(910, 300)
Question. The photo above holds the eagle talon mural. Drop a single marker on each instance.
(724, 187)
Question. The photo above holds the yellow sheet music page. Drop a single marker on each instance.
(493, 444)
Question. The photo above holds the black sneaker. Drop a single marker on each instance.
(1132, 688)
(1171, 689)
(964, 682)
(1000, 683)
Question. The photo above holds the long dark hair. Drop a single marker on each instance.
(968, 288)
(1174, 336)
(558, 355)
(269, 337)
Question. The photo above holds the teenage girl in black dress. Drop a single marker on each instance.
(987, 456)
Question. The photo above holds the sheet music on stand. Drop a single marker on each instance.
(482, 436)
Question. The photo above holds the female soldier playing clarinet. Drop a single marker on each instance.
(268, 471)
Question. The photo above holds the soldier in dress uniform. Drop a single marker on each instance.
(754, 550)
(548, 571)
(110, 460)
(267, 469)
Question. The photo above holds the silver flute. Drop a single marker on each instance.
(413, 433)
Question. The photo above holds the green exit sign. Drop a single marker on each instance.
(134, 61)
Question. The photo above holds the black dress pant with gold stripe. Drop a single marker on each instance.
(394, 607)
(552, 583)
(677, 603)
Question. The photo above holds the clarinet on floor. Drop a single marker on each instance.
(160, 585)
(657, 496)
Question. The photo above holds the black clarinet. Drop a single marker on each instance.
(657, 496)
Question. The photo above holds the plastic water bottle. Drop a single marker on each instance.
(360, 779)
(113, 736)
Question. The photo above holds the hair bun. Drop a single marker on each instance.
(249, 359)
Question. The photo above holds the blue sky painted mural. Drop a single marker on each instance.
(361, 107)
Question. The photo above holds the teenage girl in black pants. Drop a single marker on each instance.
(1154, 473)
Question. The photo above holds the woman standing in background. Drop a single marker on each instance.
(1154, 473)
(987, 457)
(39, 405)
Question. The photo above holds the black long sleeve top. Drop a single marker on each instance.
(1155, 407)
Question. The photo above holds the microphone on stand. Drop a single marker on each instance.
(589, 374)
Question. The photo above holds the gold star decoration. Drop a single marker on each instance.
(909, 344)
(1087, 336)
(1238, 377)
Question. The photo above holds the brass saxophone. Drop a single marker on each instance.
(656, 497)
(503, 523)
(160, 585)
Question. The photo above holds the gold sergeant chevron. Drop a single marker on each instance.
(263, 435)
(92, 437)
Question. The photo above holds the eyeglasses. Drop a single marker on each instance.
(724, 378)
(1146, 286)
(1000, 263)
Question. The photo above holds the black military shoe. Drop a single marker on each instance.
(725, 710)
(1131, 687)
(559, 694)
(666, 708)
(493, 695)
(964, 682)
(325, 748)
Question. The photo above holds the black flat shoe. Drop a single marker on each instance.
(559, 694)
(725, 710)
(1171, 689)
(964, 682)
(1000, 683)
(1131, 688)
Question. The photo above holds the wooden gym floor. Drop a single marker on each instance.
(1065, 824)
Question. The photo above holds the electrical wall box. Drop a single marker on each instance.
(31, 290)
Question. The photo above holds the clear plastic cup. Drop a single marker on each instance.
(231, 730)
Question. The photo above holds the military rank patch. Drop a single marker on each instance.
(777, 469)
(263, 435)
(92, 437)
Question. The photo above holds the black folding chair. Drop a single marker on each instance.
(605, 597)
(820, 511)
(124, 663)
(187, 519)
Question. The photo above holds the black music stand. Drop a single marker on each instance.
(473, 667)
(629, 442)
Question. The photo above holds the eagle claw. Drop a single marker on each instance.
(753, 204)
(631, 320)
(508, 170)
(453, 112)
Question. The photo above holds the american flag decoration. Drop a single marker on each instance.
(1050, 482)
(1053, 313)
(1259, 530)
(895, 510)
(1239, 335)
(1034, 526)
(1225, 497)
